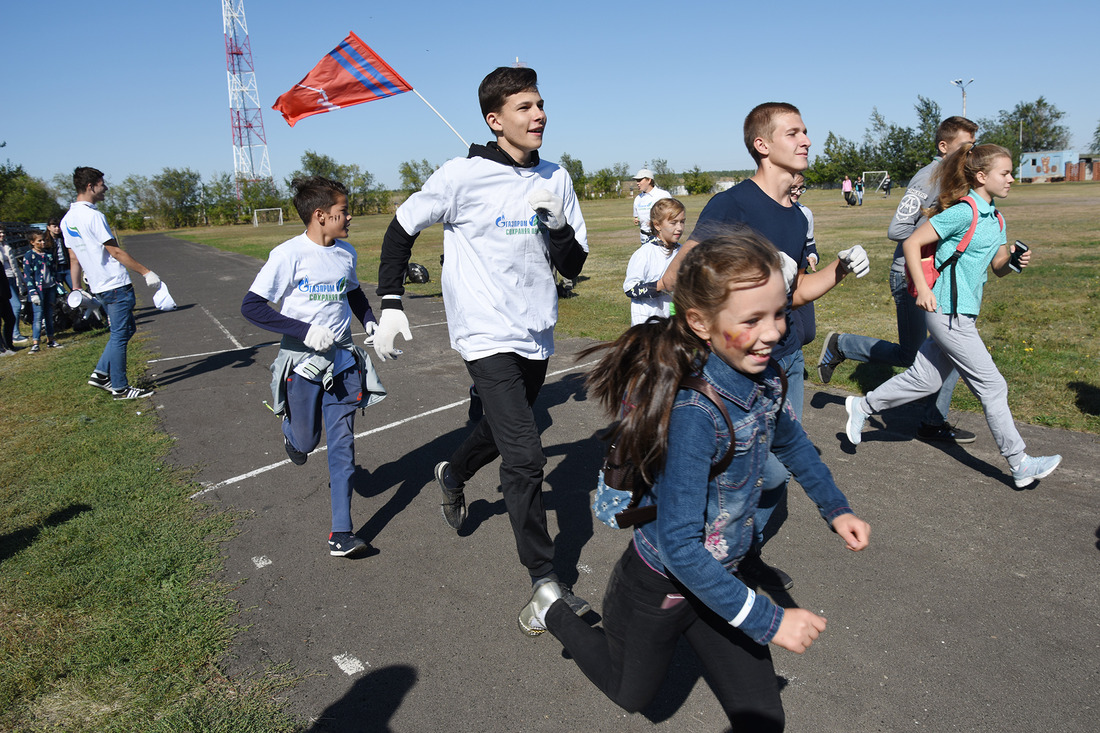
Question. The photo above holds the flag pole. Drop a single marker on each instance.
(448, 124)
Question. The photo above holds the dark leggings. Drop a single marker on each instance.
(629, 658)
(7, 315)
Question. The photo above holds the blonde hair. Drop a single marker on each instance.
(665, 210)
(958, 173)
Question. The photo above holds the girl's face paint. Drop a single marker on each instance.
(750, 323)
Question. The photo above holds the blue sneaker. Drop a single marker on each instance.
(346, 544)
(1034, 467)
(856, 418)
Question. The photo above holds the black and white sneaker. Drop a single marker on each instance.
(453, 505)
(945, 433)
(131, 393)
(345, 544)
(576, 604)
(831, 357)
(100, 380)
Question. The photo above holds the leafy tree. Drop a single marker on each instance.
(177, 197)
(662, 174)
(413, 174)
(365, 195)
(128, 203)
(262, 194)
(575, 169)
(697, 181)
(26, 198)
(1096, 139)
(220, 200)
(604, 181)
(839, 158)
(316, 164)
(1028, 127)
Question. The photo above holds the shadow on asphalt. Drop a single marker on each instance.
(370, 704)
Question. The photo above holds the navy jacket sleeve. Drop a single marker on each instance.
(259, 312)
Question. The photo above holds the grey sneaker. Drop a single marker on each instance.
(131, 393)
(1032, 468)
(831, 357)
(576, 604)
(532, 617)
(856, 419)
(454, 500)
(754, 571)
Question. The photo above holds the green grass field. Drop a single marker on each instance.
(1043, 327)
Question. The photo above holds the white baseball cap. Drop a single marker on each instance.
(643, 173)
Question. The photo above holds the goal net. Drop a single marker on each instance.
(267, 216)
(872, 180)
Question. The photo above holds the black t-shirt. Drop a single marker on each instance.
(784, 226)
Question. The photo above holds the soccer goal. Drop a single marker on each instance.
(267, 216)
(872, 180)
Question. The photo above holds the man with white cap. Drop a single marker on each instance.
(648, 194)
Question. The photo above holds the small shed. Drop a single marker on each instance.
(1046, 165)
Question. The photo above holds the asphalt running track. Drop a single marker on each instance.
(974, 609)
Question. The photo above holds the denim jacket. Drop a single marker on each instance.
(700, 535)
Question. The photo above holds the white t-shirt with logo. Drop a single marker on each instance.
(498, 287)
(643, 202)
(85, 230)
(311, 280)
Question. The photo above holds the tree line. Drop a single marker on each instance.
(902, 151)
(179, 197)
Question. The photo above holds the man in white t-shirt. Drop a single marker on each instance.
(94, 250)
(648, 194)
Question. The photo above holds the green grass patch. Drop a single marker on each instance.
(109, 619)
(1043, 328)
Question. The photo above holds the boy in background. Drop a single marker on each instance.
(508, 217)
(319, 375)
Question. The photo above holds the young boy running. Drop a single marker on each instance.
(775, 136)
(319, 375)
(952, 134)
(508, 217)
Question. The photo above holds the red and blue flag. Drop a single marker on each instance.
(352, 73)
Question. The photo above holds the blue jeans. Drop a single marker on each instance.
(43, 309)
(772, 511)
(911, 334)
(308, 405)
(120, 312)
(16, 307)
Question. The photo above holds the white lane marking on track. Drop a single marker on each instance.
(261, 561)
(372, 431)
(224, 330)
(348, 664)
(425, 325)
(212, 353)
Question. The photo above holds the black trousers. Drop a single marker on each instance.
(508, 385)
(7, 315)
(628, 659)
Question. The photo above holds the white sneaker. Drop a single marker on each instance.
(856, 419)
(1032, 468)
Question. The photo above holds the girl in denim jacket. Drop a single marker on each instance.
(678, 575)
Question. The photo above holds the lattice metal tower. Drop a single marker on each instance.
(250, 161)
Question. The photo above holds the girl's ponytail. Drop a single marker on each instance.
(958, 173)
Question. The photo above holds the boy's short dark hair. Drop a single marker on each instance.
(313, 193)
(503, 82)
(83, 176)
(760, 122)
(950, 128)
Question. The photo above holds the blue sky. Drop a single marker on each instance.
(132, 88)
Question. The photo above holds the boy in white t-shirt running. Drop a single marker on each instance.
(319, 376)
(507, 217)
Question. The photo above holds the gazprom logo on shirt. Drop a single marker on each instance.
(323, 291)
(519, 226)
(71, 231)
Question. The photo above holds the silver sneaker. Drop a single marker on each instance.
(1034, 467)
(532, 618)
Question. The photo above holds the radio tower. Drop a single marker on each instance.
(250, 162)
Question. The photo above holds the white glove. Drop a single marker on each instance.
(152, 279)
(855, 260)
(35, 299)
(370, 327)
(549, 207)
(393, 322)
(790, 271)
(320, 338)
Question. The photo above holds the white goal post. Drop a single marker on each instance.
(267, 216)
(872, 180)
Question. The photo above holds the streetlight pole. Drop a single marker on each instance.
(961, 85)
